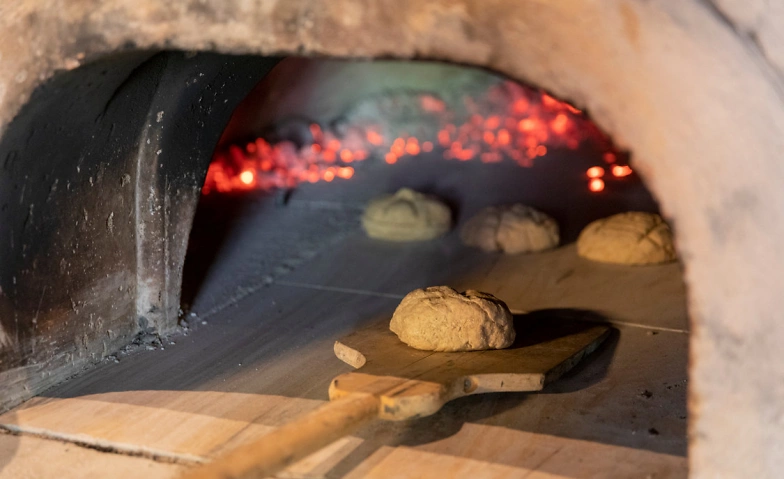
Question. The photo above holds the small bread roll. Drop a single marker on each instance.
(511, 229)
(406, 216)
(633, 238)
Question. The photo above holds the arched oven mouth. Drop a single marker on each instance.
(210, 231)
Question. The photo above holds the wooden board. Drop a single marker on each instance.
(413, 383)
(543, 350)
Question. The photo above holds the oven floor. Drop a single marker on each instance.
(265, 357)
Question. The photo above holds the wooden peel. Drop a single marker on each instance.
(398, 382)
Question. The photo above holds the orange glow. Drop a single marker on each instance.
(346, 172)
(560, 123)
(432, 104)
(412, 146)
(595, 172)
(346, 156)
(503, 137)
(443, 138)
(247, 177)
(374, 138)
(520, 106)
(619, 171)
(549, 102)
(492, 123)
(596, 185)
(526, 125)
(465, 155)
(398, 147)
(508, 122)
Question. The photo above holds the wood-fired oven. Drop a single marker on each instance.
(180, 198)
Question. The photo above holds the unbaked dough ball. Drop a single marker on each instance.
(441, 319)
(511, 229)
(634, 238)
(406, 216)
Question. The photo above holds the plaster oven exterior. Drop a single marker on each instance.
(694, 89)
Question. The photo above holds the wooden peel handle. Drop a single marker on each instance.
(293, 441)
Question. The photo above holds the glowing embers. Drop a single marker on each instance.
(508, 122)
(262, 166)
(247, 177)
(519, 123)
(596, 173)
(619, 171)
(596, 185)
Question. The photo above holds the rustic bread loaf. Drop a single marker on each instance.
(441, 319)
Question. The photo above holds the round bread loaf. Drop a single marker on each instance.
(441, 319)
(406, 216)
(633, 238)
(511, 229)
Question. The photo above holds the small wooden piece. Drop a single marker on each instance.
(398, 383)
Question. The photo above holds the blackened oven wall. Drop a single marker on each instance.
(105, 161)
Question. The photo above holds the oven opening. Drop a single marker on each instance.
(204, 237)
